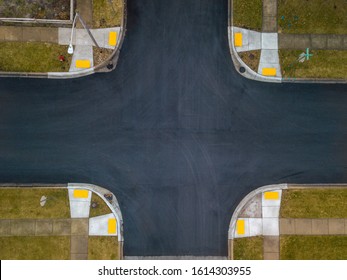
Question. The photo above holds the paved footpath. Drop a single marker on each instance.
(313, 41)
(77, 229)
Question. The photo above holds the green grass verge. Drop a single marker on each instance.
(101, 209)
(249, 248)
(103, 248)
(35, 248)
(248, 14)
(314, 203)
(33, 57)
(323, 64)
(313, 247)
(315, 16)
(24, 203)
(107, 13)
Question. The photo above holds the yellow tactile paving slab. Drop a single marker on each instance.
(80, 193)
(240, 227)
(112, 38)
(238, 39)
(269, 71)
(112, 226)
(82, 63)
(271, 195)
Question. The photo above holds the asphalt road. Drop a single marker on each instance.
(174, 131)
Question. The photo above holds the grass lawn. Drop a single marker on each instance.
(101, 209)
(251, 58)
(103, 248)
(107, 13)
(33, 57)
(314, 16)
(323, 64)
(314, 203)
(24, 203)
(35, 248)
(248, 14)
(249, 248)
(313, 247)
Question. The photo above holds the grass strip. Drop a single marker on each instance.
(314, 203)
(35, 248)
(248, 14)
(107, 13)
(313, 247)
(100, 209)
(248, 248)
(24, 203)
(103, 248)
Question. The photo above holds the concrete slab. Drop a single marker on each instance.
(44, 227)
(302, 41)
(251, 40)
(271, 212)
(79, 226)
(31, 35)
(62, 227)
(287, 226)
(318, 41)
(255, 226)
(253, 208)
(270, 227)
(49, 35)
(271, 256)
(14, 33)
(269, 24)
(79, 245)
(336, 226)
(22, 227)
(98, 226)
(79, 207)
(79, 256)
(269, 59)
(5, 227)
(303, 226)
(81, 53)
(320, 226)
(271, 244)
(269, 41)
(335, 42)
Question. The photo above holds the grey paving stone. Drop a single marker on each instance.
(271, 244)
(269, 24)
(287, 226)
(303, 226)
(44, 227)
(79, 226)
(320, 226)
(318, 41)
(79, 244)
(336, 226)
(22, 227)
(5, 227)
(271, 256)
(62, 227)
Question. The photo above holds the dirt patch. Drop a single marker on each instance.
(101, 55)
(37, 9)
(251, 58)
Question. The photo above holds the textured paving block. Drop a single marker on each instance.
(238, 39)
(112, 38)
(240, 227)
(269, 72)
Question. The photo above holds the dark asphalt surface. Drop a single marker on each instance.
(174, 131)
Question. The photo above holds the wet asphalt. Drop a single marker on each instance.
(174, 131)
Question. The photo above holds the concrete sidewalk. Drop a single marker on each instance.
(312, 41)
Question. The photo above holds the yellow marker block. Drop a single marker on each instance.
(112, 38)
(271, 195)
(238, 40)
(80, 193)
(82, 63)
(269, 71)
(240, 227)
(112, 226)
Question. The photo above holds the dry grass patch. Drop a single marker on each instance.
(314, 203)
(248, 14)
(35, 248)
(107, 13)
(101, 54)
(313, 247)
(24, 203)
(103, 248)
(100, 209)
(251, 58)
(248, 248)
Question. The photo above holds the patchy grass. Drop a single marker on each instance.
(35, 248)
(251, 58)
(314, 203)
(315, 16)
(313, 247)
(248, 248)
(24, 203)
(248, 14)
(323, 64)
(107, 13)
(103, 248)
(101, 209)
(101, 54)
(33, 57)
